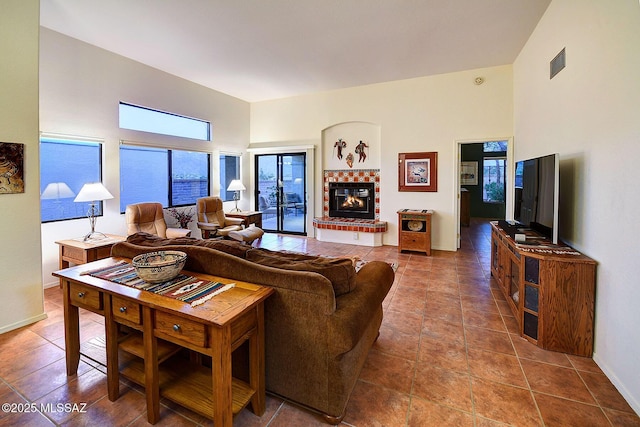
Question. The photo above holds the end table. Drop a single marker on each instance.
(78, 251)
(249, 217)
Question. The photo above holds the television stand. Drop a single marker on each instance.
(549, 288)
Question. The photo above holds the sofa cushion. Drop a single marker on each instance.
(340, 271)
(231, 247)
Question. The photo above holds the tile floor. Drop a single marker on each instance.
(447, 355)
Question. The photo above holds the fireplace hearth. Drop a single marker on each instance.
(352, 200)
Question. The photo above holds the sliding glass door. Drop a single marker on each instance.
(281, 194)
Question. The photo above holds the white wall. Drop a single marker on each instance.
(81, 86)
(21, 298)
(590, 114)
(423, 114)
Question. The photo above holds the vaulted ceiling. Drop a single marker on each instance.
(265, 49)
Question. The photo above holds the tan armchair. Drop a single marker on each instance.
(149, 218)
(212, 220)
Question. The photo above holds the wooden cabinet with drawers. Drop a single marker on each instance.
(550, 289)
(414, 230)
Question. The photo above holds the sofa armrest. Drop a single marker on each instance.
(173, 233)
(354, 309)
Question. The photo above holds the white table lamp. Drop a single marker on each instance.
(236, 185)
(92, 193)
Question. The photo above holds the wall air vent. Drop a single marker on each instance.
(557, 64)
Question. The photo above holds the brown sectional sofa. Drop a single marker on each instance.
(319, 324)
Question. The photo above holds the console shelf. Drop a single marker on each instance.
(550, 289)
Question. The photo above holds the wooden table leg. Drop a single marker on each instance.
(257, 364)
(71, 331)
(221, 373)
(151, 380)
(111, 338)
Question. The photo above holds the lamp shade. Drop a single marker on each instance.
(236, 185)
(93, 191)
(56, 191)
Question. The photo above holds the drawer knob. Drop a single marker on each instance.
(123, 309)
(176, 328)
(81, 294)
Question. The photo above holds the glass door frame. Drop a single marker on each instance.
(284, 208)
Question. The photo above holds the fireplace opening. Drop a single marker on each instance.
(352, 200)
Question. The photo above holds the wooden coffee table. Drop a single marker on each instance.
(159, 326)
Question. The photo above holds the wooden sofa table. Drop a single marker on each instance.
(161, 325)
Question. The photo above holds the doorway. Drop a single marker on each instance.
(485, 175)
(281, 193)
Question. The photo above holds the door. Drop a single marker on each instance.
(281, 192)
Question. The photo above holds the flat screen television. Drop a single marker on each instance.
(536, 195)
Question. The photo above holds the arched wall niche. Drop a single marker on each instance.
(351, 133)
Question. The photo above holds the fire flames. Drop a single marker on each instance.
(352, 202)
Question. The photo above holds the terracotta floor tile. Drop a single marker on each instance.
(481, 303)
(556, 380)
(584, 364)
(496, 367)
(443, 354)
(131, 405)
(558, 412)
(486, 339)
(423, 413)
(406, 304)
(373, 405)
(442, 330)
(527, 350)
(45, 380)
(388, 371)
(407, 322)
(482, 319)
(620, 419)
(397, 343)
(443, 386)
(605, 392)
(447, 312)
(504, 403)
(16, 364)
(87, 388)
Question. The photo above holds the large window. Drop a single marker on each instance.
(493, 171)
(171, 177)
(229, 170)
(65, 166)
(145, 119)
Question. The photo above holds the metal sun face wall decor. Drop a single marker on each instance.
(360, 149)
(11, 168)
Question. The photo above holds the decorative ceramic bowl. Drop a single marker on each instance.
(157, 267)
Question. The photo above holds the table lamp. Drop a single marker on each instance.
(92, 193)
(236, 185)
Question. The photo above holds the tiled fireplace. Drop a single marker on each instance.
(345, 229)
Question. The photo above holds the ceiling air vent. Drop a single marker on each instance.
(557, 64)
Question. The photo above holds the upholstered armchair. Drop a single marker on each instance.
(149, 218)
(212, 220)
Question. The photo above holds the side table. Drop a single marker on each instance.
(414, 230)
(249, 217)
(78, 251)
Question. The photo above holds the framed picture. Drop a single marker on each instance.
(418, 171)
(11, 168)
(468, 173)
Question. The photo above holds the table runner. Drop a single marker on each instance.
(183, 288)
